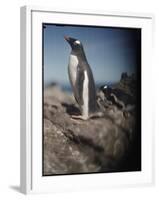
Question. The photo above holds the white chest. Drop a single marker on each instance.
(72, 68)
(85, 96)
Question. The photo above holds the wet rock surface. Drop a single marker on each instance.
(106, 144)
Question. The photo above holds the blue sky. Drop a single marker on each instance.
(109, 51)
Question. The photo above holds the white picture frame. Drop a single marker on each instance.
(32, 180)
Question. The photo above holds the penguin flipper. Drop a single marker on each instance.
(79, 87)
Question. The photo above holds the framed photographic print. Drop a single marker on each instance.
(86, 100)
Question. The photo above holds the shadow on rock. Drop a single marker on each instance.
(71, 109)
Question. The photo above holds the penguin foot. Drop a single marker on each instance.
(97, 115)
(79, 117)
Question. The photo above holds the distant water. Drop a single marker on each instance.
(67, 87)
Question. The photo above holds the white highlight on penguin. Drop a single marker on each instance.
(85, 96)
(77, 42)
(73, 63)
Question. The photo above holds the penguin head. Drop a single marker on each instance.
(106, 89)
(75, 44)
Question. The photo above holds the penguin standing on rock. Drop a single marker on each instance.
(82, 81)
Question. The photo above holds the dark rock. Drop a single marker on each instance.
(128, 83)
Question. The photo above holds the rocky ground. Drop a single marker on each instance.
(106, 144)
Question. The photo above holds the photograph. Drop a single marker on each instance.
(91, 99)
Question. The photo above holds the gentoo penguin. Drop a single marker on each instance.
(119, 98)
(81, 79)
